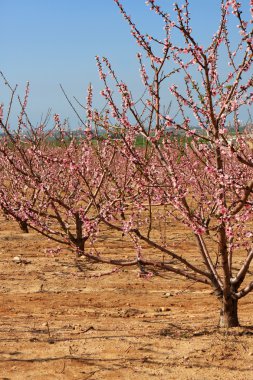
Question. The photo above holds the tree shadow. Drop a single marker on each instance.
(179, 332)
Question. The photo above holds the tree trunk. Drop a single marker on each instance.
(23, 226)
(81, 263)
(80, 243)
(228, 313)
(80, 240)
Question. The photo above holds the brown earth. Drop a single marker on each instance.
(59, 323)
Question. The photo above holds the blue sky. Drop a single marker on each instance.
(55, 41)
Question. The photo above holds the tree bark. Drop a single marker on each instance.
(80, 240)
(80, 243)
(23, 226)
(229, 313)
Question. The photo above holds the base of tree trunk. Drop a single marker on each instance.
(80, 246)
(23, 226)
(229, 313)
(79, 252)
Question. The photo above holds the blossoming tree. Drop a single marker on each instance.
(58, 185)
(201, 176)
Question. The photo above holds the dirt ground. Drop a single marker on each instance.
(59, 323)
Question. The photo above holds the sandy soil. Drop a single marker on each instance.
(59, 323)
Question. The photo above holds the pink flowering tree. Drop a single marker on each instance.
(196, 163)
(55, 184)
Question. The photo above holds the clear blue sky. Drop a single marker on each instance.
(55, 41)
